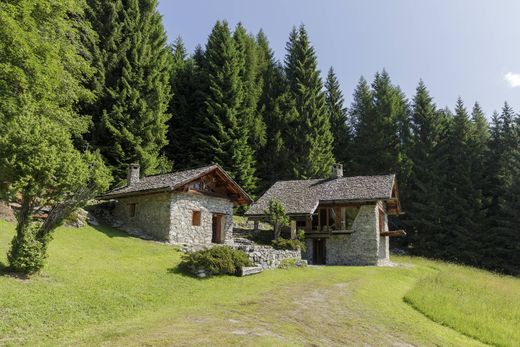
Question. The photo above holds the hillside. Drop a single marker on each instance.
(102, 287)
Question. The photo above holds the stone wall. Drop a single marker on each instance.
(182, 207)
(266, 256)
(362, 247)
(152, 215)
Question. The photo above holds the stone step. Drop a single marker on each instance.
(250, 270)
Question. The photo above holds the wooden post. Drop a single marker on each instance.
(308, 224)
(256, 227)
(293, 229)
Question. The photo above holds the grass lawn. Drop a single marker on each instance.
(101, 287)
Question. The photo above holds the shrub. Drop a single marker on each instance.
(27, 254)
(291, 263)
(294, 245)
(219, 260)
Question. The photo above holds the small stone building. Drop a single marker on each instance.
(191, 206)
(345, 219)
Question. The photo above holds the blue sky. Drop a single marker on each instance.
(466, 48)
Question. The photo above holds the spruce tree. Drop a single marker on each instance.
(501, 240)
(338, 119)
(252, 86)
(185, 126)
(274, 106)
(310, 142)
(132, 85)
(226, 140)
(380, 120)
(421, 197)
(458, 241)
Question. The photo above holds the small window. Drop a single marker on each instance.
(132, 209)
(195, 218)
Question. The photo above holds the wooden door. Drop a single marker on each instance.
(216, 227)
(319, 255)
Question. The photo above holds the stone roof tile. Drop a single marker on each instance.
(303, 196)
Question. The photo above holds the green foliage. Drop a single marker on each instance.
(218, 260)
(310, 141)
(27, 254)
(338, 119)
(294, 245)
(379, 116)
(226, 117)
(132, 85)
(291, 263)
(276, 216)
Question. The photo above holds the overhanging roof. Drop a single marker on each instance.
(303, 196)
(172, 181)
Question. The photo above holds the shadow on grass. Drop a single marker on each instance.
(5, 271)
(111, 231)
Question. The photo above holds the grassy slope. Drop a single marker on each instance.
(102, 287)
(474, 302)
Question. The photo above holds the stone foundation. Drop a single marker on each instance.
(266, 256)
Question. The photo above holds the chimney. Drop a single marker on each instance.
(133, 174)
(337, 170)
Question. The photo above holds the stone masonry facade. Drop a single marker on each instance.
(364, 246)
(182, 207)
(168, 217)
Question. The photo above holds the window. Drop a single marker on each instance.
(195, 218)
(131, 208)
(348, 215)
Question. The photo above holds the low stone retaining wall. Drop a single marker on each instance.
(266, 256)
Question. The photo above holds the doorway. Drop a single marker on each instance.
(319, 256)
(216, 228)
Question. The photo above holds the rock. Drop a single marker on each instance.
(92, 220)
(6, 212)
(250, 270)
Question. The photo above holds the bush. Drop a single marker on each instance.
(292, 263)
(27, 254)
(219, 260)
(294, 245)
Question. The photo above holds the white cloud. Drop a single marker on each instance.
(513, 79)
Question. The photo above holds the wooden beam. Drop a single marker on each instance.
(393, 233)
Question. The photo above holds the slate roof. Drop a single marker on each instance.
(303, 196)
(166, 182)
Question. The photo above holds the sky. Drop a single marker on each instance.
(466, 48)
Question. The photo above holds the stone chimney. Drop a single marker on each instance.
(337, 170)
(133, 174)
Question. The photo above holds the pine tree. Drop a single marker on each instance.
(338, 119)
(252, 86)
(274, 106)
(310, 141)
(132, 84)
(501, 241)
(380, 126)
(226, 141)
(421, 197)
(185, 125)
(457, 241)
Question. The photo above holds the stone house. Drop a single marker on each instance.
(191, 206)
(345, 219)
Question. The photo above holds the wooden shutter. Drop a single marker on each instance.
(195, 218)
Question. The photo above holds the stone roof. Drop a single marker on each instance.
(167, 182)
(303, 196)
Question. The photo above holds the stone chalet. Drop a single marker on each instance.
(191, 206)
(344, 218)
